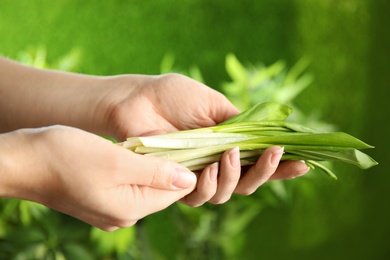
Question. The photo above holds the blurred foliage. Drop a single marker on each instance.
(37, 57)
(124, 36)
(347, 45)
(259, 83)
(252, 84)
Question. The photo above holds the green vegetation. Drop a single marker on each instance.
(254, 130)
(340, 84)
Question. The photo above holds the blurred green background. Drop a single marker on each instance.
(347, 43)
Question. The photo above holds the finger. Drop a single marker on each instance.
(206, 187)
(229, 176)
(134, 202)
(258, 174)
(289, 170)
(150, 200)
(153, 172)
(222, 109)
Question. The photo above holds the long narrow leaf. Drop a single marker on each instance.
(325, 169)
(253, 131)
(262, 111)
(351, 156)
(337, 139)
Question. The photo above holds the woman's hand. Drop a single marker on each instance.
(138, 105)
(88, 177)
(146, 105)
(217, 183)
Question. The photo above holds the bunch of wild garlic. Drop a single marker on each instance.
(253, 131)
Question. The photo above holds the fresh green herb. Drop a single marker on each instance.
(253, 131)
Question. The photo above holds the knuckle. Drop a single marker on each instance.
(173, 76)
(160, 176)
(170, 78)
(205, 194)
(230, 177)
(234, 178)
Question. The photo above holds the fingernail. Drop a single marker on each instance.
(234, 157)
(213, 172)
(183, 178)
(276, 156)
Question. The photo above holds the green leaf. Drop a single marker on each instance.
(113, 242)
(235, 69)
(167, 63)
(288, 92)
(267, 111)
(351, 156)
(297, 70)
(254, 130)
(196, 74)
(335, 139)
(326, 170)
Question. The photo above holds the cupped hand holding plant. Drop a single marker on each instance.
(88, 177)
(147, 105)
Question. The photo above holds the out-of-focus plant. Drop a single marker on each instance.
(120, 243)
(37, 57)
(168, 66)
(252, 84)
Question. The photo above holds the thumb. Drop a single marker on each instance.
(221, 108)
(159, 173)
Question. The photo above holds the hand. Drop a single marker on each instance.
(217, 183)
(155, 105)
(96, 181)
(139, 105)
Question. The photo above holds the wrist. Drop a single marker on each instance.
(19, 163)
(113, 93)
(72, 99)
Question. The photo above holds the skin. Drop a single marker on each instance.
(50, 125)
